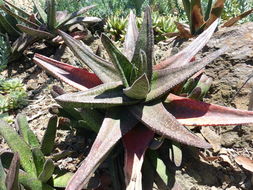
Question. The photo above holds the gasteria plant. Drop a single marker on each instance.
(136, 98)
(37, 172)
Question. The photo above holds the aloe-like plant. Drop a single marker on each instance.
(37, 171)
(199, 21)
(135, 96)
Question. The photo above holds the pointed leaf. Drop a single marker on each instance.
(38, 159)
(145, 42)
(47, 172)
(12, 175)
(27, 134)
(40, 10)
(31, 182)
(192, 112)
(103, 69)
(75, 14)
(76, 77)
(8, 27)
(139, 88)
(61, 180)
(116, 124)
(164, 80)
(103, 96)
(35, 32)
(87, 20)
(136, 143)
(166, 124)
(51, 15)
(183, 57)
(215, 12)
(48, 140)
(121, 63)
(22, 19)
(16, 8)
(131, 36)
(184, 30)
(208, 9)
(233, 20)
(18, 145)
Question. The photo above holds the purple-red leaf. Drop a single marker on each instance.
(116, 124)
(183, 57)
(136, 143)
(76, 77)
(193, 112)
(12, 175)
(159, 120)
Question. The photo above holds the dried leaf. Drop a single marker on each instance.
(213, 138)
(245, 162)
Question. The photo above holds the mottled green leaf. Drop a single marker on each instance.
(38, 159)
(145, 42)
(47, 172)
(102, 68)
(48, 140)
(121, 63)
(18, 145)
(102, 96)
(51, 15)
(40, 10)
(139, 89)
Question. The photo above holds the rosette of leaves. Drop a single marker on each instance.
(199, 21)
(43, 24)
(12, 94)
(37, 169)
(135, 96)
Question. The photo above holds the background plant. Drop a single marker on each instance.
(12, 94)
(37, 171)
(5, 51)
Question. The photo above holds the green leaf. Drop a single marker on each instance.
(116, 124)
(187, 8)
(139, 89)
(102, 68)
(32, 183)
(22, 19)
(2, 177)
(27, 134)
(208, 9)
(120, 62)
(92, 118)
(164, 80)
(38, 159)
(145, 42)
(35, 32)
(47, 172)
(8, 27)
(18, 145)
(40, 10)
(22, 12)
(102, 96)
(73, 15)
(48, 140)
(12, 182)
(61, 179)
(51, 15)
(165, 124)
(175, 154)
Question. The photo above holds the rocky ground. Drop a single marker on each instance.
(214, 169)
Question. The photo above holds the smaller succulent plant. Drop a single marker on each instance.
(37, 171)
(198, 21)
(12, 94)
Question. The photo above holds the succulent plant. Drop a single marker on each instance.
(37, 172)
(136, 98)
(4, 51)
(198, 21)
(12, 94)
